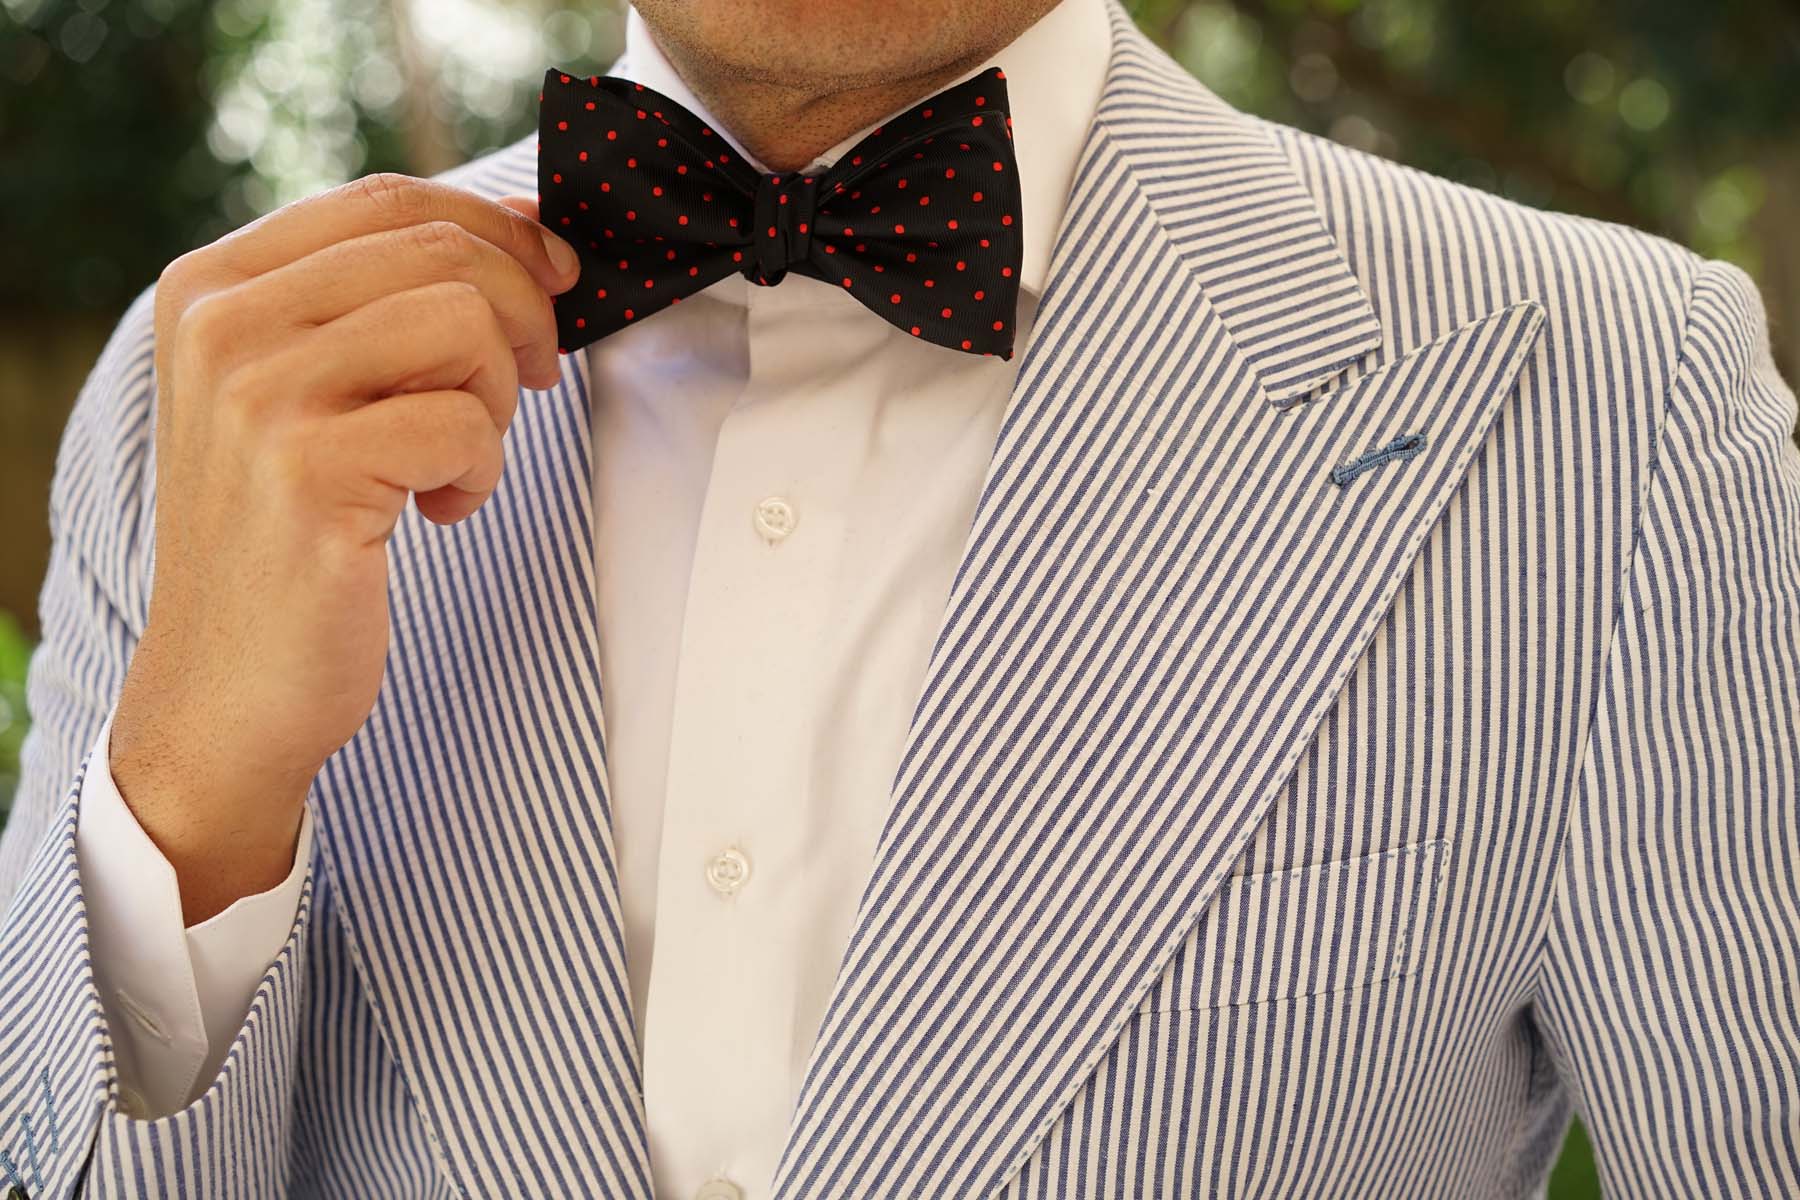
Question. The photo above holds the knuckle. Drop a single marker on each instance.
(178, 284)
(247, 390)
(398, 195)
(444, 240)
(203, 327)
(465, 308)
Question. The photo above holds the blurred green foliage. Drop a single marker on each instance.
(1668, 115)
(15, 653)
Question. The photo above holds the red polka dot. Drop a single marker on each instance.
(649, 283)
(976, 197)
(924, 200)
(962, 266)
(1006, 271)
(953, 222)
(915, 331)
(590, 106)
(556, 178)
(980, 295)
(562, 124)
(682, 219)
(600, 294)
(931, 283)
(945, 313)
(606, 187)
(612, 135)
(846, 281)
(999, 325)
(656, 191)
(629, 315)
(899, 229)
(894, 299)
(1006, 219)
(975, 120)
(581, 322)
(901, 184)
(980, 100)
(564, 78)
(583, 156)
(967, 344)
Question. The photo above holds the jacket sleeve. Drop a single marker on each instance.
(63, 1131)
(1670, 996)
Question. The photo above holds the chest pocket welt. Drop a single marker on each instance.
(1307, 931)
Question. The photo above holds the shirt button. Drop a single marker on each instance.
(774, 518)
(726, 873)
(719, 1189)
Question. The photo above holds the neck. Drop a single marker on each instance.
(785, 126)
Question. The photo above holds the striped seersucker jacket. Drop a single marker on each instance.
(1364, 729)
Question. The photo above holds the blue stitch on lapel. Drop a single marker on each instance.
(31, 1153)
(11, 1171)
(50, 1111)
(1407, 445)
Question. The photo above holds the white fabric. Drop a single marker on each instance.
(758, 685)
(174, 998)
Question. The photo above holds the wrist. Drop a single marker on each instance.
(228, 827)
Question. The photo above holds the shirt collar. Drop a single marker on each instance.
(1054, 74)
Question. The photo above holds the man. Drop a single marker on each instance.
(1308, 703)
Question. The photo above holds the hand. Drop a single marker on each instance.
(314, 369)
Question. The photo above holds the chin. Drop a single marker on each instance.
(828, 43)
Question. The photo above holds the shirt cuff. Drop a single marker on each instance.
(174, 997)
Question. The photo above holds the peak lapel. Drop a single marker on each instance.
(468, 836)
(1160, 595)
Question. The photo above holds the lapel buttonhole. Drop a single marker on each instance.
(1407, 445)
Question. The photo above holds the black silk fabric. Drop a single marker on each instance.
(919, 221)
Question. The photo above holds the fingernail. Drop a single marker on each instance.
(562, 255)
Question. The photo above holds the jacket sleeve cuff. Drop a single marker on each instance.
(174, 998)
(61, 1118)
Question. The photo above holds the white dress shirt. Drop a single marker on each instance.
(783, 485)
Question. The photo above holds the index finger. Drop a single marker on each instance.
(389, 200)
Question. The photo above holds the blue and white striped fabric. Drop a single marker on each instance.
(1258, 833)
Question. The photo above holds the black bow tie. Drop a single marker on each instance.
(919, 221)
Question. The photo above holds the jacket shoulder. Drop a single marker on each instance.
(1431, 251)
